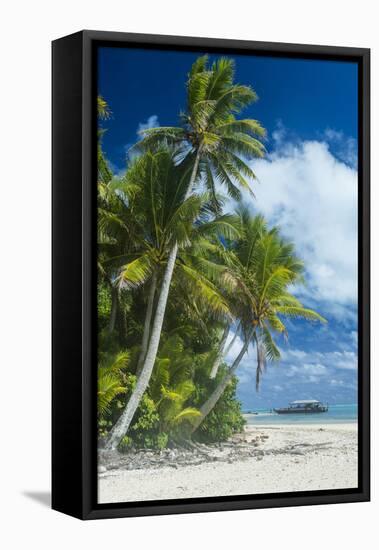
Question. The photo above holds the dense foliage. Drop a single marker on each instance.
(177, 274)
(179, 384)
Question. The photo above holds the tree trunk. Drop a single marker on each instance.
(113, 315)
(220, 388)
(220, 353)
(147, 325)
(123, 423)
(232, 341)
(261, 362)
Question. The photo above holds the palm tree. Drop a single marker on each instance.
(103, 113)
(103, 110)
(132, 240)
(116, 230)
(110, 227)
(262, 266)
(215, 146)
(155, 203)
(156, 187)
(110, 380)
(237, 294)
(172, 386)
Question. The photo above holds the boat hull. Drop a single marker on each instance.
(302, 411)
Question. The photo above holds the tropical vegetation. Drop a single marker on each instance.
(180, 277)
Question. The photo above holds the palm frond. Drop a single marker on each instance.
(300, 313)
(155, 138)
(136, 272)
(222, 75)
(103, 110)
(242, 126)
(206, 291)
(189, 414)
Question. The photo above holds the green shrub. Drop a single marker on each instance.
(179, 386)
(104, 303)
(125, 444)
(145, 428)
(225, 419)
(162, 440)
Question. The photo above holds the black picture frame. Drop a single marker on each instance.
(74, 457)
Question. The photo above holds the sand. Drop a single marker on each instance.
(287, 458)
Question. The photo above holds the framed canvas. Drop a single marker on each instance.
(210, 275)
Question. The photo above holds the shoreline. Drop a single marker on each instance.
(337, 426)
(262, 459)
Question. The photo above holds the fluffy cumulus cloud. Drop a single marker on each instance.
(151, 122)
(326, 375)
(312, 196)
(306, 365)
(344, 147)
(309, 189)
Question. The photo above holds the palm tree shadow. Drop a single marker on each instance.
(41, 497)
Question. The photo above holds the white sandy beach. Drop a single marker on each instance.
(266, 459)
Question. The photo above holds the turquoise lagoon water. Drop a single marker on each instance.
(337, 414)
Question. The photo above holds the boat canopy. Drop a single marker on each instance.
(304, 402)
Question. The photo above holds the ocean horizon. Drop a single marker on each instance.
(337, 414)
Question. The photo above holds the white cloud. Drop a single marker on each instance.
(236, 347)
(307, 372)
(345, 146)
(326, 375)
(354, 337)
(279, 134)
(116, 171)
(316, 369)
(320, 361)
(297, 367)
(297, 353)
(312, 196)
(151, 122)
(346, 360)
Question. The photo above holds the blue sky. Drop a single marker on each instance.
(307, 185)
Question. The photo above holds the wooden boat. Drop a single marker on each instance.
(307, 406)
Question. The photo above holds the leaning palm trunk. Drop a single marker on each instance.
(220, 353)
(229, 347)
(123, 423)
(220, 388)
(147, 324)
